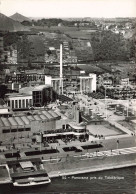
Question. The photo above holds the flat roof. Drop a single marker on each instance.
(40, 87)
(17, 95)
(26, 164)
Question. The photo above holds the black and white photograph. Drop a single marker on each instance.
(67, 96)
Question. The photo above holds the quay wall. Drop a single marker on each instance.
(74, 166)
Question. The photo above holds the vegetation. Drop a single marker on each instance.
(10, 38)
(55, 22)
(110, 46)
(3, 91)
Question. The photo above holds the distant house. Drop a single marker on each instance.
(60, 24)
(124, 81)
(107, 81)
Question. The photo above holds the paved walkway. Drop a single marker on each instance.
(109, 114)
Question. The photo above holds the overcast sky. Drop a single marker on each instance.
(70, 8)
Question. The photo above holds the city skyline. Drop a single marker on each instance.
(70, 8)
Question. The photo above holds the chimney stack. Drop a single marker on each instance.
(61, 74)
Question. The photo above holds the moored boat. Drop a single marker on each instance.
(32, 182)
(29, 172)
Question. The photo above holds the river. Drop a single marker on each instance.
(119, 181)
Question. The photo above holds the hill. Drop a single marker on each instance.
(20, 18)
(7, 24)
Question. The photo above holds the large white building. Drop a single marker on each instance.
(19, 101)
(88, 83)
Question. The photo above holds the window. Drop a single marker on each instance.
(16, 104)
(26, 102)
(23, 103)
(12, 103)
(30, 102)
(37, 98)
(19, 103)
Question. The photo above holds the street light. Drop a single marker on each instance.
(117, 144)
(105, 104)
(40, 141)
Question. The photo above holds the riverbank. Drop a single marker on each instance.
(78, 166)
(88, 170)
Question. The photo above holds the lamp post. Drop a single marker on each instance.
(40, 141)
(105, 104)
(127, 103)
(12, 149)
(117, 144)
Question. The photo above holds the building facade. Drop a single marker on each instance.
(88, 83)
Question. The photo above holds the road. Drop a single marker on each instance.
(108, 153)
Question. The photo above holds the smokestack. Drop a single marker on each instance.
(61, 74)
(61, 61)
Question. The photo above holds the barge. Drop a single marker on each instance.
(5, 174)
(29, 172)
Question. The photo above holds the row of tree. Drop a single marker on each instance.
(54, 22)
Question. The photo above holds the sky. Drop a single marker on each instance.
(69, 8)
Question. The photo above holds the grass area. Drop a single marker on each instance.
(37, 43)
(79, 34)
(10, 155)
(73, 32)
(33, 153)
(68, 149)
(91, 68)
(128, 125)
(61, 28)
(86, 147)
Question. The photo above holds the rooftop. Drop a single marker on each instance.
(12, 95)
(28, 90)
(27, 119)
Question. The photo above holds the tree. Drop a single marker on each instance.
(110, 46)
(26, 23)
(3, 91)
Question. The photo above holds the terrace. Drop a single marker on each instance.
(103, 130)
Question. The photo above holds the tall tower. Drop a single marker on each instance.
(61, 71)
